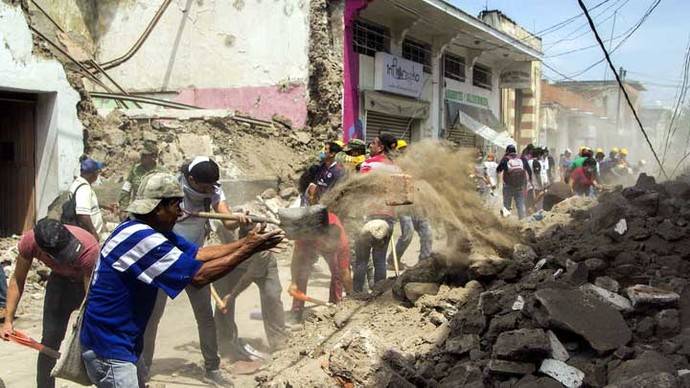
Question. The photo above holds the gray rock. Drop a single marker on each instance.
(667, 323)
(503, 367)
(522, 344)
(649, 380)
(490, 302)
(607, 283)
(437, 318)
(602, 326)
(647, 362)
(563, 373)
(558, 351)
(624, 353)
(645, 327)
(670, 232)
(524, 252)
(462, 375)
(414, 290)
(577, 274)
(641, 295)
(595, 265)
(541, 382)
(462, 344)
(614, 300)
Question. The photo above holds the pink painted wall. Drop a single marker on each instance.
(261, 102)
(352, 125)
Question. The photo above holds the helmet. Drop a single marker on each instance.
(624, 151)
(402, 144)
(340, 143)
(615, 149)
(600, 150)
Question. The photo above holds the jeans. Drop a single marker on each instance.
(517, 193)
(366, 247)
(109, 373)
(200, 299)
(3, 288)
(63, 296)
(423, 228)
(261, 269)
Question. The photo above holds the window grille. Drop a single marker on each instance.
(481, 76)
(454, 67)
(417, 52)
(368, 38)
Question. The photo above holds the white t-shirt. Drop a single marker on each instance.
(490, 167)
(86, 202)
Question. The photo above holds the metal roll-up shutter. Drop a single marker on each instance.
(377, 123)
(463, 136)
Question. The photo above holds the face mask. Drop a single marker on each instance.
(322, 155)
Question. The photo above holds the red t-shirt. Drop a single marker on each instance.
(581, 182)
(29, 249)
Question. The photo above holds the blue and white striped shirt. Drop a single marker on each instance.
(134, 263)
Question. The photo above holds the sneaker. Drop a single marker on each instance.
(219, 378)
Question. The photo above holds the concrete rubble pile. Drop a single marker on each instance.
(603, 301)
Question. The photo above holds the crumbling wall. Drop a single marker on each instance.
(58, 129)
(326, 68)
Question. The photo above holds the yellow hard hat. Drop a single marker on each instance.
(600, 150)
(340, 143)
(624, 151)
(401, 144)
(615, 149)
(582, 148)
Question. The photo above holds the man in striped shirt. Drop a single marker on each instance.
(141, 256)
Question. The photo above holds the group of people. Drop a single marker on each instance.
(530, 178)
(123, 277)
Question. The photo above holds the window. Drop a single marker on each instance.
(417, 52)
(454, 67)
(368, 38)
(481, 76)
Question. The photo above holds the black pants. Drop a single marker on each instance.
(261, 269)
(63, 296)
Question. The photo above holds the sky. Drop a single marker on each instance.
(653, 55)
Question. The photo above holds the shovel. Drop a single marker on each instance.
(296, 222)
(299, 295)
(23, 339)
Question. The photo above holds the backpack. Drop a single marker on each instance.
(69, 208)
(515, 174)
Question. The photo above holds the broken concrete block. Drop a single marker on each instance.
(414, 290)
(650, 379)
(462, 344)
(642, 295)
(667, 323)
(563, 373)
(558, 351)
(616, 301)
(647, 362)
(504, 367)
(522, 344)
(599, 324)
(607, 283)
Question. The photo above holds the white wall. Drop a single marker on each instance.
(209, 44)
(59, 140)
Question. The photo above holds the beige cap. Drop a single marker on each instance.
(153, 188)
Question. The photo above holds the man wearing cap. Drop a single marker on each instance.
(142, 256)
(353, 154)
(148, 163)
(70, 252)
(201, 193)
(88, 211)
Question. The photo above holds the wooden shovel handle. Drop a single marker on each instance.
(231, 217)
(220, 303)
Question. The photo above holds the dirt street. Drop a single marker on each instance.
(178, 361)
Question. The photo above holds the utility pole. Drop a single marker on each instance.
(622, 73)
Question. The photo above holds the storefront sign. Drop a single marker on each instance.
(467, 98)
(516, 76)
(398, 75)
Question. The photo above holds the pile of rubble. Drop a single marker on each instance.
(601, 301)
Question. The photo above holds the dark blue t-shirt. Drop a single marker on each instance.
(134, 263)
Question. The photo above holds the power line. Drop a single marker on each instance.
(632, 30)
(568, 37)
(680, 94)
(620, 83)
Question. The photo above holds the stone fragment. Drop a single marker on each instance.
(502, 323)
(563, 373)
(522, 344)
(462, 375)
(645, 327)
(607, 283)
(414, 290)
(524, 252)
(642, 295)
(669, 232)
(624, 353)
(649, 380)
(595, 265)
(577, 274)
(599, 324)
(288, 193)
(462, 344)
(302, 137)
(535, 382)
(614, 300)
(518, 304)
(649, 203)
(667, 323)
(437, 318)
(269, 194)
(490, 302)
(558, 351)
(647, 362)
(503, 367)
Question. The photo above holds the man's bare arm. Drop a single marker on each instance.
(217, 251)
(14, 293)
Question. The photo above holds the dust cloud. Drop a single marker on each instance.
(443, 192)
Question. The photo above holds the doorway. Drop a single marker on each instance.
(17, 162)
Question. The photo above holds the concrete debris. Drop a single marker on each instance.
(616, 301)
(522, 344)
(558, 351)
(415, 290)
(641, 295)
(621, 227)
(560, 371)
(602, 326)
(510, 367)
(518, 304)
